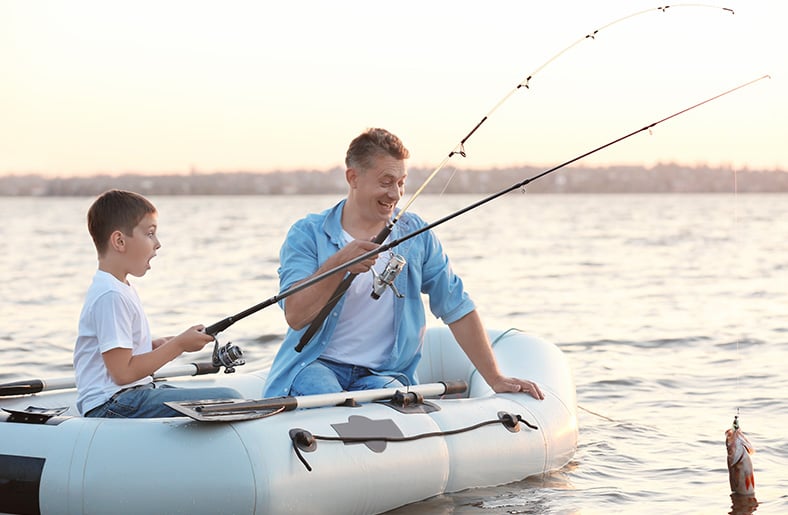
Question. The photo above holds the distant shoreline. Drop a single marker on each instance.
(663, 178)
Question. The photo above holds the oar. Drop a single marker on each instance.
(229, 410)
(31, 386)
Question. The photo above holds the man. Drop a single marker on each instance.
(366, 343)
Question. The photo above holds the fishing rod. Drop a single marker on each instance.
(227, 322)
(343, 286)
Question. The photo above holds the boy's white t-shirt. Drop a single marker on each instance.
(112, 317)
(364, 334)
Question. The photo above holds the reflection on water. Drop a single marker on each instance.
(743, 505)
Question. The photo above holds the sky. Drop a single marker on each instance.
(183, 86)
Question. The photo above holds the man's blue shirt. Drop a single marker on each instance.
(313, 239)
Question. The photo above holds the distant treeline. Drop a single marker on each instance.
(663, 178)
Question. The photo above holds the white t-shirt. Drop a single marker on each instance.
(112, 317)
(364, 333)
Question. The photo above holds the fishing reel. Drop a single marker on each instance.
(386, 278)
(228, 356)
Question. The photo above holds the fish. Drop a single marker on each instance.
(740, 470)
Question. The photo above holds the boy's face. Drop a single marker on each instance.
(142, 245)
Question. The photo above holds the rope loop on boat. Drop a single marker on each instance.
(305, 441)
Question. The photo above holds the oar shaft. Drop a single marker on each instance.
(334, 399)
(427, 390)
(31, 386)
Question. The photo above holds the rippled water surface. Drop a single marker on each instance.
(672, 309)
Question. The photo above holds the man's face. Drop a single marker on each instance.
(379, 187)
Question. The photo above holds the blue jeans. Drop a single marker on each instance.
(324, 376)
(147, 401)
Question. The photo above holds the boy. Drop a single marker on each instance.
(114, 356)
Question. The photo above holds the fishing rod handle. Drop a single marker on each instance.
(317, 322)
(219, 326)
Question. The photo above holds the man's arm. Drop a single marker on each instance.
(303, 306)
(472, 337)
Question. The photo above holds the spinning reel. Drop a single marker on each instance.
(386, 278)
(228, 356)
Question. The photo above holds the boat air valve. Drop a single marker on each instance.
(229, 356)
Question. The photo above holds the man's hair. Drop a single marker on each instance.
(373, 143)
(116, 210)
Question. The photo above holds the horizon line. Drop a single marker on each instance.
(197, 171)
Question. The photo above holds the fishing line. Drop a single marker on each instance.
(227, 322)
(736, 233)
(604, 417)
(459, 149)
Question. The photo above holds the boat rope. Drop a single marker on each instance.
(305, 441)
(459, 149)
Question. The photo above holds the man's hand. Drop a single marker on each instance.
(514, 385)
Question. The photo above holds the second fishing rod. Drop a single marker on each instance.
(227, 322)
(317, 322)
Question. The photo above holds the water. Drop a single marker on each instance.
(671, 309)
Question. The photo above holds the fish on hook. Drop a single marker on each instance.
(740, 471)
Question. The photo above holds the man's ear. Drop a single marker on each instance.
(351, 176)
(117, 240)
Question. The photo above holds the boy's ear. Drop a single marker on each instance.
(117, 241)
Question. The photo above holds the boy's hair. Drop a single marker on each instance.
(372, 143)
(116, 210)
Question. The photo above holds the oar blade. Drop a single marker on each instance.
(226, 410)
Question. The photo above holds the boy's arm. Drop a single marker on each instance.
(125, 368)
(158, 342)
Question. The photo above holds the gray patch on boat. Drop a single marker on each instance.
(365, 430)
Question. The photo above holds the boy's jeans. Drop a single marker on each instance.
(147, 401)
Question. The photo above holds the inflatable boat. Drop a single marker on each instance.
(360, 453)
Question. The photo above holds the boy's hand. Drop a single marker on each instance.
(193, 338)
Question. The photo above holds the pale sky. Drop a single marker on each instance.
(169, 86)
